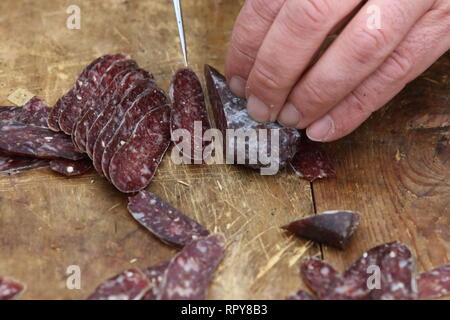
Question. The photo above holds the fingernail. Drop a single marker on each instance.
(321, 130)
(237, 86)
(289, 116)
(258, 110)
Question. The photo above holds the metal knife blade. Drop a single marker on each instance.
(179, 16)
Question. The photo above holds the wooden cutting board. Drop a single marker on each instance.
(395, 169)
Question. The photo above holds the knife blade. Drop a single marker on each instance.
(179, 16)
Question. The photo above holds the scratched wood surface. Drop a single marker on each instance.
(395, 169)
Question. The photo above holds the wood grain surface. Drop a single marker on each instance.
(395, 169)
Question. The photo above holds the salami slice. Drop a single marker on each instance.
(189, 108)
(9, 113)
(115, 119)
(34, 112)
(107, 80)
(146, 102)
(230, 112)
(188, 275)
(131, 284)
(30, 141)
(85, 89)
(311, 162)
(109, 105)
(14, 164)
(300, 295)
(333, 228)
(434, 283)
(167, 223)
(135, 163)
(318, 275)
(155, 275)
(10, 289)
(70, 168)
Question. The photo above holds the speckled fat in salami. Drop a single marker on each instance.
(300, 295)
(189, 274)
(109, 105)
(333, 228)
(35, 112)
(434, 283)
(164, 221)
(188, 101)
(85, 89)
(311, 162)
(149, 100)
(318, 275)
(115, 119)
(230, 112)
(9, 113)
(107, 80)
(70, 168)
(10, 165)
(131, 284)
(155, 275)
(30, 141)
(135, 163)
(10, 289)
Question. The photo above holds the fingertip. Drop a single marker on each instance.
(323, 130)
(237, 86)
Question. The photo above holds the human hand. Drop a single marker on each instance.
(275, 41)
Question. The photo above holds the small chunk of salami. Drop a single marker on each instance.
(188, 275)
(189, 108)
(135, 163)
(230, 112)
(70, 168)
(300, 295)
(10, 289)
(15, 164)
(9, 113)
(318, 275)
(30, 141)
(311, 162)
(333, 228)
(131, 284)
(434, 283)
(164, 221)
(35, 112)
(155, 275)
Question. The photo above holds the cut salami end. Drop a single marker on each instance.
(300, 295)
(134, 165)
(167, 223)
(131, 284)
(155, 275)
(230, 112)
(34, 112)
(10, 289)
(333, 228)
(189, 109)
(318, 275)
(9, 113)
(188, 275)
(311, 162)
(70, 168)
(434, 283)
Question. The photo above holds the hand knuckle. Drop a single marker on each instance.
(313, 95)
(265, 76)
(307, 15)
(369, 44)
(266, 10)
(396, 67)
(358, 100)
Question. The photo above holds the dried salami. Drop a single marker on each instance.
(131, 284)
(434, 283)
(318, 275)
(164, 221)
(10, 289)
(31, 141)
(155, 275)
(15, 164)
(145, 103)
(189, 108)
(333, 228)
(109, 104)
(135, 163)
(300, 295)
(9, 113)
(230, 112)
(34, 112)
(311, 162)
(188, 275)
(115, 119)
(70, 168)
